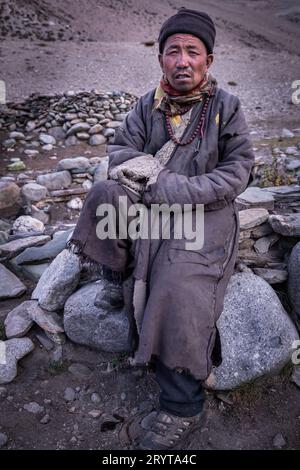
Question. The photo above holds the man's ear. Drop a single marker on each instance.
(209, 60)
(160, 60)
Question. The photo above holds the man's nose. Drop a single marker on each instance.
(182, 60)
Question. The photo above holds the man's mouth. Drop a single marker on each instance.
(181, 76)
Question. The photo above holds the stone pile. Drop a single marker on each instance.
(269, 229)
(68, 119)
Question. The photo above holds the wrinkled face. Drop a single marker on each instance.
(184, 61)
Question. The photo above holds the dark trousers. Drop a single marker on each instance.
(181, 394)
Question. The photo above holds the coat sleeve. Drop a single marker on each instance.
(221, 185)
(130, 137)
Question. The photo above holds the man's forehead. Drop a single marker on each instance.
(187, 39)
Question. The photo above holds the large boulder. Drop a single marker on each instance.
(87, 324)
(256, 333)
(58, 282)
(294, 278)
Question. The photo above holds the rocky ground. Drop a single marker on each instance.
(69, 396)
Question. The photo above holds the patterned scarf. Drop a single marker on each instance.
(170, 100)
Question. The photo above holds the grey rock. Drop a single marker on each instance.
(14, 247)
(284, 193)
(293, 165)
(101, 170)
(251, 218)
(286, 133)
(272, 276)
(9, 143)
(79, 127)
(294, 278)
(57, 180)
(80, 371)
(71, 163)
(26, 224)
(16, 135)
(39, 214)
(261, 231)
(287, 225)
(86, 324)
(69, 394)
(95, 398)
(82, 135)
(58, 281)
(279, 441)
(34, 192)
(47, 139)
(18, 321)
(46, 252)
(96, 129)
(3, 237)
(75, 203)
(255, 197)
(48, 321)
(108, 133)
(34, 271)
(9, 194)
(57, 132)
(10, 285)
(45, 419)
(30, 126)
(47, 147)
(97, 139)
(10, 352)
(5, 226)
(31, 152)
(113, 124)
(44, 340)
(256, 333)
(3, 439)
(33, 407)
(72, 140)
(262, 245)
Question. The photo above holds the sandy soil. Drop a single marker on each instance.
(53, 46)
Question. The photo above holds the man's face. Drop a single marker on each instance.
(184, 61)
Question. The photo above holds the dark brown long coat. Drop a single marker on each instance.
(183, 289)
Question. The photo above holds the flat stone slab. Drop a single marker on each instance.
(256, 197)
(14, 247)
(287, 225)
(250, 218)
(10, 285)
(272, 276)
(46, 252)
(284, 193)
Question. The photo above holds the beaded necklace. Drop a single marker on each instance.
(200, 126)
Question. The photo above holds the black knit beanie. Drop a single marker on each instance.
(187, 21)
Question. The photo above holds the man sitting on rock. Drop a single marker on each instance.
(184, 143)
